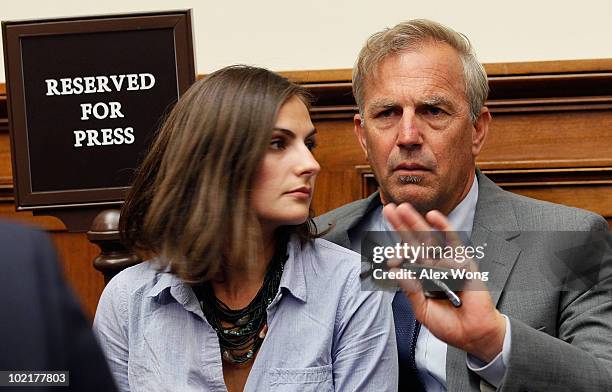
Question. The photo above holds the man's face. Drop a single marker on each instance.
(417, 132)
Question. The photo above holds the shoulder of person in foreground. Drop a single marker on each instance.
(365, 353)
(48, 330)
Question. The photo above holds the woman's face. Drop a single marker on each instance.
(284, 183)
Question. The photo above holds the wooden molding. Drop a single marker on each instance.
(368, 182)
(492, 69)
(3, 110)
(508, 94)
(319, 76)
(527, 177)
(548, 67)
(519, 88)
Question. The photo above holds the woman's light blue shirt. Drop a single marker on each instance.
(324, 332)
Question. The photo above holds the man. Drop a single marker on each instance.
(422, 123)
(43, 328)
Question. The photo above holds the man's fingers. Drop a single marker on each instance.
(409, 286)
(394, 263)
(440, 222)
(413, 220)
(390, 212)
(408, 223)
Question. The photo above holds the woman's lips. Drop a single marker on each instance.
(302, 192)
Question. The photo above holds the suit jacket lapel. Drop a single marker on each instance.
(495, 224)
(500, 256)
(341, 232)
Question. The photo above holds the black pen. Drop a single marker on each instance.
(450, 294)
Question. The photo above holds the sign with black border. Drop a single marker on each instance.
(85, 97)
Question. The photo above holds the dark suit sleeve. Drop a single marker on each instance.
(88, 368)
(48, 329)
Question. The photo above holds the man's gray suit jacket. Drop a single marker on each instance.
(561, 340)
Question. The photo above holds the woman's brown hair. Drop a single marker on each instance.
(190, 201)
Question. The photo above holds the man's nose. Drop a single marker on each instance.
(409, 132)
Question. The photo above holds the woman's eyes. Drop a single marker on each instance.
(277, 144)
(281, 144)
(311, 144)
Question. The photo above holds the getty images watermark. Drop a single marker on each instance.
(559, 260)
(426, 261)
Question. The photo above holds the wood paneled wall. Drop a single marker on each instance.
(551, 139)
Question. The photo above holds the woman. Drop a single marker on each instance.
(241, 295)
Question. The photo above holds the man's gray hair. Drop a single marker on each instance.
(414, 34)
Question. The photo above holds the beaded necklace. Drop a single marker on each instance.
(241, 331)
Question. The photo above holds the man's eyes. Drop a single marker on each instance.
(427, 110)
(432, 114)
(385, 113)
(433, 110)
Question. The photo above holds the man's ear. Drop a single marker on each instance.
(359, 130)
(481, 129)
